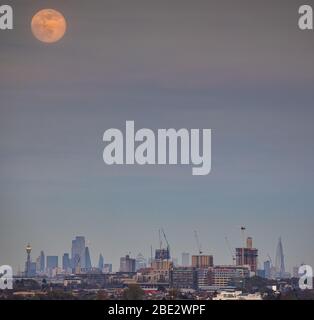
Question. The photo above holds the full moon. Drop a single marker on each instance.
(48, 25)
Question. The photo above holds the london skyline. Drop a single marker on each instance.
(79, 255)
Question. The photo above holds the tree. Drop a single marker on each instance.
(133, 292)
(173, 293)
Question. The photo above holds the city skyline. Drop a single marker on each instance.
(276, 263)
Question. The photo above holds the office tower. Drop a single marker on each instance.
(247, 256)
(38, 265)
(52, 262)
(32, 271)
(140, 262)
(78, 253)
(280, 262)
(185, 259)
(51, 266)
(88, 262)
(107, 268)
(202, 261)
(101, 262)
(127, 264)
(267, 269)
(42, 261)
(28, 261)
(66, 262)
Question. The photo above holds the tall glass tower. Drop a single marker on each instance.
(88, 263)
(78, 253)
(280, 261)
(101, 262)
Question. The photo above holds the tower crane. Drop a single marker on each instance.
(163, 232)
(168, 246)
(160, 240)
(243, 228)
(230, 250)
(199, 246)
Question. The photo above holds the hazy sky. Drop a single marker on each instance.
(241, 68)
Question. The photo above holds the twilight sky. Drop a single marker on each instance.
(243, 69)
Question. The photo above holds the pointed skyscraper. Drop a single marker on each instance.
(88, 263)
(280, 261)
(101, 262)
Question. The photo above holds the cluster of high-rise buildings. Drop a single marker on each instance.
(277, 270)
(78, 262)
(195, 272)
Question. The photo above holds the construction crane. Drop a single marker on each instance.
(160, 240)
(168, 246)
(199, 246)
(163, 232)
(230, 250)
(162, 253)
(243, 239)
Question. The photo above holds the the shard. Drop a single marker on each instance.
(280, 261)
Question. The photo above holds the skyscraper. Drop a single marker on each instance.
(101, 262)
(78, 253)
(66, 263)
(52, 265)
(42, 261)
(127, 264)
(88, 262)
(38, 265)
(185, 259)
(280, 262)
(52, 262)
(140, 262)
(107, 268)
(267, 269)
